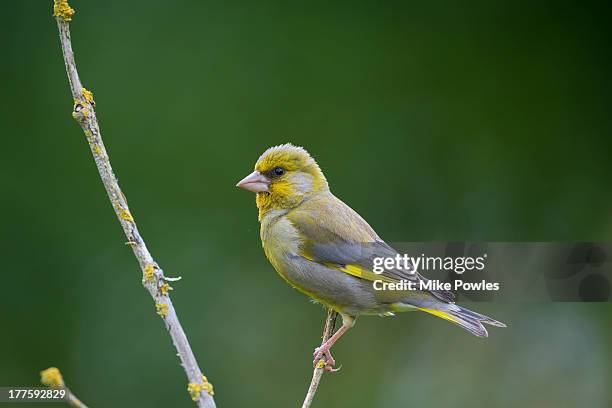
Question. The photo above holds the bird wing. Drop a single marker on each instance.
(333, 234)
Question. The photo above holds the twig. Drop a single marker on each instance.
(153, 280)
(52, 378)
(328, 330)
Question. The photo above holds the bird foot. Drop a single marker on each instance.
(323, 359)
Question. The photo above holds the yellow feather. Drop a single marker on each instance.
(439, 313)
(363, 273)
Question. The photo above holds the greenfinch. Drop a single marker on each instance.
(324, 249)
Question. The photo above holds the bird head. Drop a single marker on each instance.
(284, 176)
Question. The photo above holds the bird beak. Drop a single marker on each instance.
(255, 182)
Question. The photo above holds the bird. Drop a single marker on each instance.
(326, 250)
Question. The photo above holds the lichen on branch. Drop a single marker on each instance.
(153, 279)
(52, 378)
(62, 9)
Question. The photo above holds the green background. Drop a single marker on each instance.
(436, 121)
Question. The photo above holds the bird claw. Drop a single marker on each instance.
(323, 359)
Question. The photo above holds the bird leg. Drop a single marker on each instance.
(325, 349)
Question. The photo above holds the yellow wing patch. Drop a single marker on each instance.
(361, 272)
(354, 270)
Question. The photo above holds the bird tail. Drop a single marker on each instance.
(466, 318)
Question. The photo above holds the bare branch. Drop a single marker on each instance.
(328, 330)
(153, 280)
(52, 378)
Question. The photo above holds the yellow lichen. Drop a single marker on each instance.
(162, 309)
(208, 387)
(52, 378)
(149, 272)
(195, 389)
(124, 214)
(97, 149)
(88, 95)
(165, 288)
(321, 363)
(62, 9)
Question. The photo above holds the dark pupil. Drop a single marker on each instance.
(279, 171)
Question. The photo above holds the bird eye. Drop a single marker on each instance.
(279, 171)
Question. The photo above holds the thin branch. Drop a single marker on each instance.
(153, 280)
(328, 330)
(52, 378)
